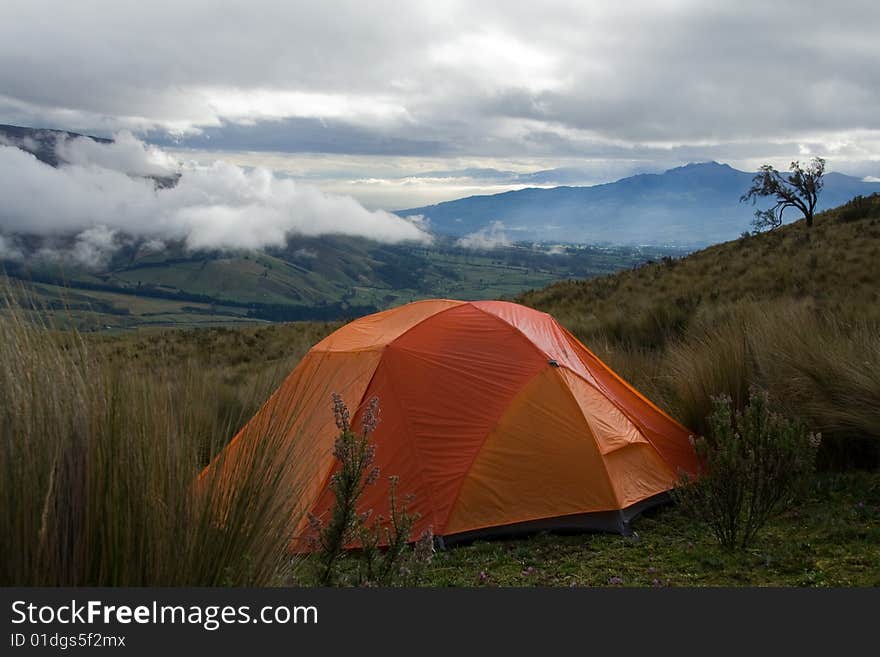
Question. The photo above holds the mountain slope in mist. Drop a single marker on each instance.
(695, 205)
(102, 190)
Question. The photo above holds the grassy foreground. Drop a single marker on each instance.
(831, 539)
(221, 375)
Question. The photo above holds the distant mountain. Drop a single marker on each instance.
(558, 176)
(697, 204)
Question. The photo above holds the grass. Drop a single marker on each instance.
(99, 471)
(831, 539)
(240, 366)
(817, 367)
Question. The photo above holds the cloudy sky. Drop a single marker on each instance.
(403, 103)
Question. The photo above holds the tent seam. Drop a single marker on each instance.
(467, 472)
(425, 319)
(479, 451)
(638, 425)
(382, 347)
(620, 379)
(592, 433)
(517, 329)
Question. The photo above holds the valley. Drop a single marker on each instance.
(311, 279)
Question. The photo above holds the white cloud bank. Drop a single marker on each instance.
(491, 237)
(126, 153)
(101, 194)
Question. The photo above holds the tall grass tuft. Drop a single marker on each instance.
(828, 370)
(716, 356)
(98, 471)
(817, 366)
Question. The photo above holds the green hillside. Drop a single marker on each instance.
(794, 311)
(835, 267)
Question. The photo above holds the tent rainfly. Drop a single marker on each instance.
(495, 419)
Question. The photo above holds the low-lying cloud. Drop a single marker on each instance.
(491, 237)
(126, 153)
(106, 193)
(8, 249)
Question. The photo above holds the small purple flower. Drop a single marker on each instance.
(369, 454)
(372, 477)
(424, 547)
(657, 582)
(529, 571)
(340, 412)
(484, 576)
(616, 581)
(371, 416)
(651, 569)
(315, 522)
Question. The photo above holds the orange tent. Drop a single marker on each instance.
(494, 417)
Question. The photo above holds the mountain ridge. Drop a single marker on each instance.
(696, 204)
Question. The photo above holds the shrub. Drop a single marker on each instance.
(858, 207)
(396, 564)
(348, 528)
(755, 460)
(354, 453)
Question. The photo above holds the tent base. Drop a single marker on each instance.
(615, 522)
